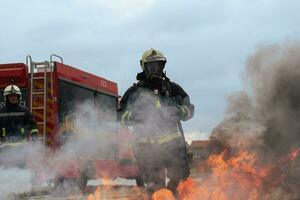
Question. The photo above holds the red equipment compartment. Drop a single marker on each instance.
(86, 79)
(13, 73)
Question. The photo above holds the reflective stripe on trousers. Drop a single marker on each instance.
(3, 132)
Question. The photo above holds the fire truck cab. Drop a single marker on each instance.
(57, 94)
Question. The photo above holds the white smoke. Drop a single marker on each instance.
(15, 174)
(91, 135)
(14, 180)
(94, 133)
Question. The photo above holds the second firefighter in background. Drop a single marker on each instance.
(16, 121)
(154, 107)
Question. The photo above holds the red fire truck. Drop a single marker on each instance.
(52, 90)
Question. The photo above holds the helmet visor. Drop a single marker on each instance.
(155, 67)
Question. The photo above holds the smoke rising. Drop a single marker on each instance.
(15, 174)
(91, 132)
(265, 117)
(240, 128)
(274, 75)
(269, 110)
(14, 180)
(87, 134)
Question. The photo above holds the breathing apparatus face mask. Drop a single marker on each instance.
(154, 70)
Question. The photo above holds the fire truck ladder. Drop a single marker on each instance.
(42, 68)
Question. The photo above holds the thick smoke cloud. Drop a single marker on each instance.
(240, 128)
(265, 117)
(268, 113)
(274, 74)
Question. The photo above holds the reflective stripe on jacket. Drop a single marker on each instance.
(159, 139)
(16, 121)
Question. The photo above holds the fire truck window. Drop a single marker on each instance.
(108, 105)
(70, 96)
(101, 125)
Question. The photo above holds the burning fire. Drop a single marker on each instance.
(243, 175)
(236, 177)
(96, 195)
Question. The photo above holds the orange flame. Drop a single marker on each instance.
(163, 194)
(235, 178)
(96, 195)
(244, 175)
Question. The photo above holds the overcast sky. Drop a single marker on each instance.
(206, 42)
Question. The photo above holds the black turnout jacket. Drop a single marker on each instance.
(16, 123)
(155, 108)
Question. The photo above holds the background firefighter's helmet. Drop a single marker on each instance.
(152, 55)
(12, 89)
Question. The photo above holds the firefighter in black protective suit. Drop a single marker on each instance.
(16, 122)
(154, 107)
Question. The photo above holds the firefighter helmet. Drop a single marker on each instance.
(152, 55)
(12, 89)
